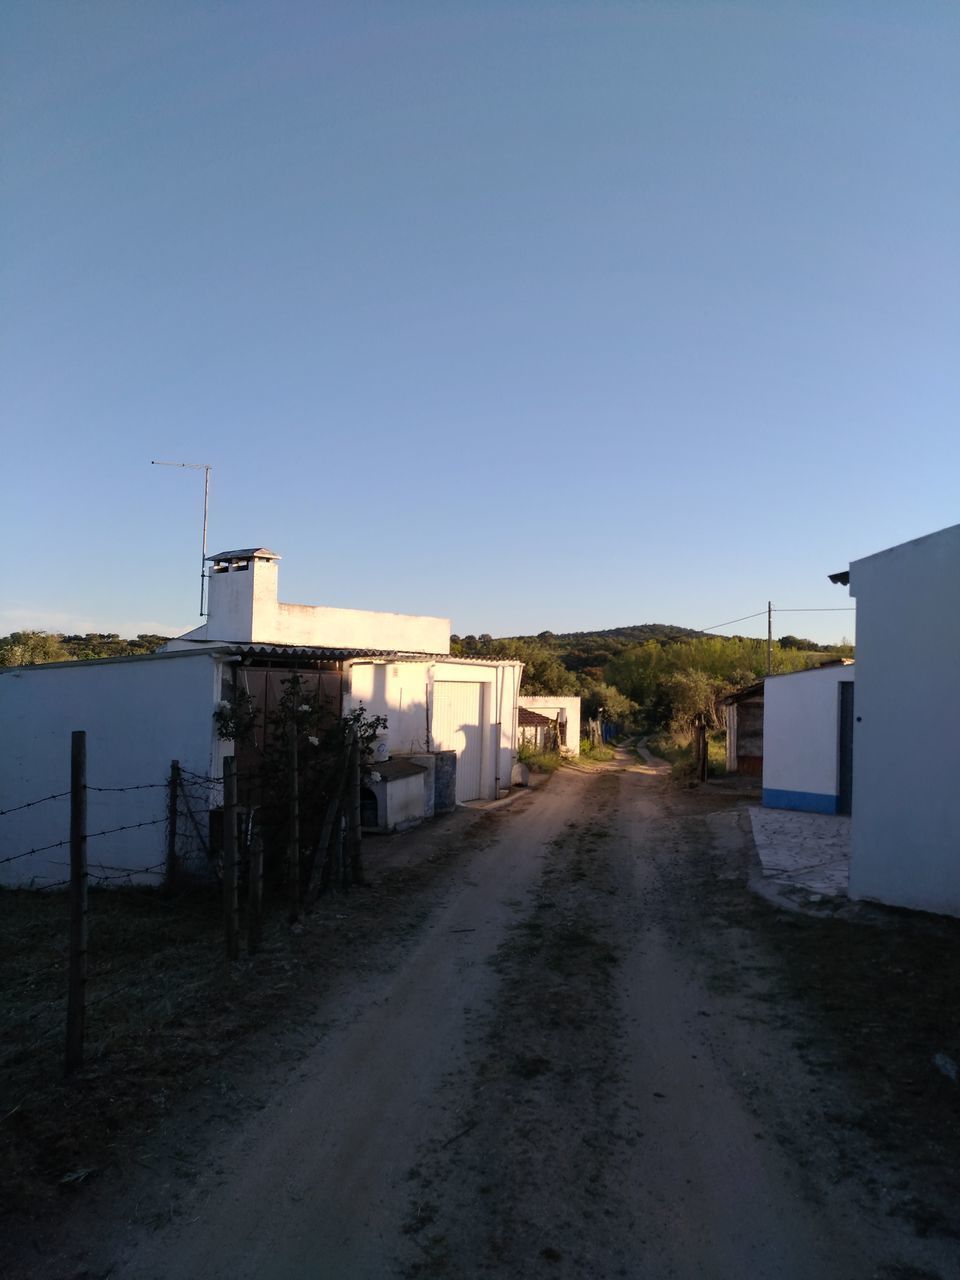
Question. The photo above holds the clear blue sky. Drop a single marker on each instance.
(534, 315)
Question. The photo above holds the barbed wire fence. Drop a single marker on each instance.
(184, 803)
(208, 837)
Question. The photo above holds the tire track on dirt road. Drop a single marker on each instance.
(315, 1184)
(532, 1181)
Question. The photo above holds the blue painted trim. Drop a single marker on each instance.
(805, 801)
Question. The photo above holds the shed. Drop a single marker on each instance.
(744, 716)
(808, 738)
(537, 731)
(564, 710)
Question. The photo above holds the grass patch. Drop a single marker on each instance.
(540, 761)
(588, 751)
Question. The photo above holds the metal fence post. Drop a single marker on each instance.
(230, 906)
(76, 993)
(293, 847)
(171, 867)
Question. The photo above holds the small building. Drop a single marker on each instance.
(564, 711)
(536, 731)
(906, 821)
(744, 717)
(394, 664)
(808, 739)
(453, 720)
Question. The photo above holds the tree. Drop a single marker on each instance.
(31, 648)
(693, 694)
(599, 698)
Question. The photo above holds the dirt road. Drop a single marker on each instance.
(562, 1073)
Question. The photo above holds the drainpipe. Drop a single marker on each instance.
(498, 683)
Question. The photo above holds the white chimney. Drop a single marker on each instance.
(242, 595)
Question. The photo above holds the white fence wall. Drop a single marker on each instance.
(565, 709)
(139, 714)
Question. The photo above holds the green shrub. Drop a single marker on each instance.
(677, 749)
(539, 761)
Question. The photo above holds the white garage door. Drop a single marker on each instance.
(458, 726)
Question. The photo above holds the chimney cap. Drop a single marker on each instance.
(246, 553)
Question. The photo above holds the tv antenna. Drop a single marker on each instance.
(206, 468)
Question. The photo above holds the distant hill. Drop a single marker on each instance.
(578, 651)
(622, 635)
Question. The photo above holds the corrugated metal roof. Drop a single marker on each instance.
(264, 649)
(309, 651)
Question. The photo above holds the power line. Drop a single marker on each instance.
(763, 613)
(746, 618)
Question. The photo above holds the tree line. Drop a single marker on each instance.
(651, 676)
(654, 677)
(30, 648)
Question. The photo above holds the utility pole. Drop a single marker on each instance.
(769, 638)
(206, 468)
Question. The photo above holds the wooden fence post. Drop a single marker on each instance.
(255, 890)
(700, 739)
(293, 844)
(77, 990)
(230, 908)
(171, 868)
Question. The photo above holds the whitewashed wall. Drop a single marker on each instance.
(801, 733)
(556, 708)
(139, 714)
(403, 692)
(906, 819)
(243, 608)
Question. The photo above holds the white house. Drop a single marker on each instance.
(807, 738)
(906, 819)
(243, 608)
(564, 710)
(395, 664)
(141, 713)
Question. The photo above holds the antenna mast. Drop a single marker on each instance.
(206, 468)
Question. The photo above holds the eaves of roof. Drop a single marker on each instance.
(743, 695)
(532, 719)
(819, 666)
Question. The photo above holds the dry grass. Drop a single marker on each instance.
(165, 1008)
(867, 998)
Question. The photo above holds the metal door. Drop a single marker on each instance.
(845, 762)
(458, 726)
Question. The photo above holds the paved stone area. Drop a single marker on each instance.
(806, 850)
